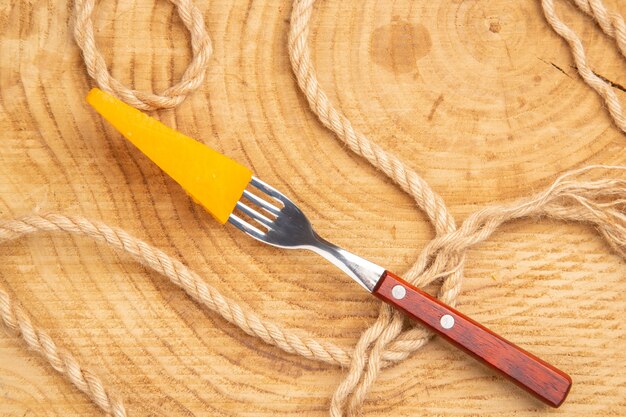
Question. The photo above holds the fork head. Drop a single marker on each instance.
(280, 222)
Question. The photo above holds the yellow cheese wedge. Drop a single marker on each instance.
(210, 178)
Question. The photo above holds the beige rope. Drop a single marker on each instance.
(601, 203)
(192, 78)
(611, 23)
(370, 349)
(181, 276)
(16, 320)
(435, 261)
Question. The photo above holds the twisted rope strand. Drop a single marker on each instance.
(427, 200)
(18, 322)
(181, 276)
(613, 25)
(191, 80)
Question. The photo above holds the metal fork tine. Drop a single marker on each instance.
(254, 214)
(245, 227)
(261, 203)
(268, 189)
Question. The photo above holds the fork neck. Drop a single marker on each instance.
(364, 272)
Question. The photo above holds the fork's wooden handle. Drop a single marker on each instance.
(531, 373)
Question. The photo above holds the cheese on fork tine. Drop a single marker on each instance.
(210, 178)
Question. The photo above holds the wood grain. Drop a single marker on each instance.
(479, 96)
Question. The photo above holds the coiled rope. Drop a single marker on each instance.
(601, 203)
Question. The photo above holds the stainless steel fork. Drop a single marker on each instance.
(287, 227)
(282, 224)
(216, 182)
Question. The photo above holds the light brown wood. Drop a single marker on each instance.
(480, 97)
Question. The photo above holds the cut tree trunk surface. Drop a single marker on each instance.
(480, 97)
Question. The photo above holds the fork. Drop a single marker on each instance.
(278, 222)
(221, 185)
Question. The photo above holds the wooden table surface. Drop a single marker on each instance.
(479, 96)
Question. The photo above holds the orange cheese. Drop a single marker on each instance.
(210, 178)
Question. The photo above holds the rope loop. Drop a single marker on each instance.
(192, 78)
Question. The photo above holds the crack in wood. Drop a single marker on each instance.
(609, 82)
(555, 67)
(606, 80)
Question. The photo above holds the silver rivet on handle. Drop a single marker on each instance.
(398, 292)
(447, 321)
